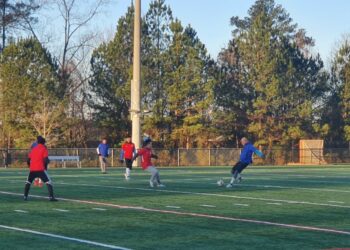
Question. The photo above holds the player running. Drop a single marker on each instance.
(146, 163)
(103, 153)
(37, 159)
(127, 153)
(244, 160)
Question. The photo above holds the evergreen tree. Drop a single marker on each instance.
(285, 80)
(15, 15)
(111, 75)
(30, 104)
(157, 21)
(337, 110)
(189, 87)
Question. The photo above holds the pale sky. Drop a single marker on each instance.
(324, 20)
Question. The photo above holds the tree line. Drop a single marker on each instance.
(267, 84)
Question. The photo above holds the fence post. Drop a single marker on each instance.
(178, 157)
(112, 154)
(209, 157)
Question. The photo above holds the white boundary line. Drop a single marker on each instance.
(204, 205)
(241, 205)
(99, 209)
(198, 215)
(63, 237)
(176, 207)
(210, 194)
(61, 210)
(21, 211)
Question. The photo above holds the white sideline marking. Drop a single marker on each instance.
(338, 202)
(21, 211)
(173, 207)
(274, 203)
(207, 205)
(242, 205)
(61, 210)
(215, 195)
(208, 216)
(99, 209)
(63, 237)
(299, 188)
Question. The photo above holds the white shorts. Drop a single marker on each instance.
(152, 170)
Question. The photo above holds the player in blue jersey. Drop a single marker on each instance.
(103, 153)
(245, 159)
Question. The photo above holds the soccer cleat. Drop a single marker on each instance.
(127, 177)
(151, 184)
(25, 198)
(161, 185)
(239, 179)
(52, 199)
(230, 185)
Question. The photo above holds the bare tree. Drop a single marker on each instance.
(77, 42)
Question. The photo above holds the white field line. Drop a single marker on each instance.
(241, 205)
(93, 243)
(198, 215)
(298, 188)
(176, 207)
(204, 205)
(338, 202)
(21, 211)
(274, 203)
(197, 180)
(249, 185)
(212, 195)
(61, 210)
(99, 209)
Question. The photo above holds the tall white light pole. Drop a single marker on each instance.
(135, 111)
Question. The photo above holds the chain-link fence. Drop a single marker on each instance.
(189, 157)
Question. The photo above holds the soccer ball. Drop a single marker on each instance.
(220, 182)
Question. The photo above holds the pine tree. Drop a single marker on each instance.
(30, 104)
(157, 21)
(15, 15)
(337, 111)
(190, 88)
(285, 80)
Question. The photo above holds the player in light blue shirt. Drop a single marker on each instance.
(103, 153)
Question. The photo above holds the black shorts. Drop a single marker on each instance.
(240, 166)
(128, 163)
(38, 174)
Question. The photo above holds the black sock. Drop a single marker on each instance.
(26, 189)
(50, 189)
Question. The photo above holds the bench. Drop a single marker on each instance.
(64, 159)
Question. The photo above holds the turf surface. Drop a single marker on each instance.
(192, 212)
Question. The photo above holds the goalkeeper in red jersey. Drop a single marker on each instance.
(37, 160)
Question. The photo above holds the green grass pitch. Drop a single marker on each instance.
(273, 208)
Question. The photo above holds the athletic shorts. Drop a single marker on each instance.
(152, 170)
(240, 166)
(128, 163)
(38, 174)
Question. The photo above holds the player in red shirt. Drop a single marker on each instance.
(146, 163)
(127, 153)
(37, 159)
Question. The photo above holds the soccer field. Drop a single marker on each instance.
(273, 208)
